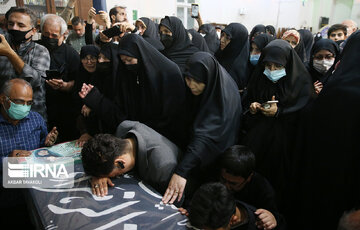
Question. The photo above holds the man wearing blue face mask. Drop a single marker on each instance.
(20, 57)
(21, 130)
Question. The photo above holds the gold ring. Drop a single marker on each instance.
(96, 186)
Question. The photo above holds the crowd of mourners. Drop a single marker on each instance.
(239, 130)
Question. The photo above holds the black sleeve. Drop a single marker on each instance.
(106, 110)
(88, 34)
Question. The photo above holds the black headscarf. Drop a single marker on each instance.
(151, 33)
(257, 29)
(262, 40)
(89, 50)
(217, 120)
(293, 91)
(84, 76)
(198, 40)
(322, 44)
(106, 80)
(329, 154)
(181, 48)
(308, 41)
(271, 30)
(211, 37)
(234, 58)
(155, 93)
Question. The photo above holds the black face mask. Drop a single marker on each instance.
(133, 68)
(18, 36)
(104, 67)
(50, 43)
(166, 40)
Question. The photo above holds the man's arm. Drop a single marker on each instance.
(67, 12)
(7, 51)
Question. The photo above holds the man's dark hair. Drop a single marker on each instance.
(99, 153)
(238, 160)
(212, 206)
(23, 10)
(337, 27)
(76, 20)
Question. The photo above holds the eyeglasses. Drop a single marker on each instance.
(20, 102)
(92, 59)
(321, 57)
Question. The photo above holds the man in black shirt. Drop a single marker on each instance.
(64, 65)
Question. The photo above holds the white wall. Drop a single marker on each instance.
(355, 14)
(280, 13)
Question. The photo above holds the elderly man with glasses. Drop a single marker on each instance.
(21, 130)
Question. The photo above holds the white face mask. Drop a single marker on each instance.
(323, 66)
(218, 34)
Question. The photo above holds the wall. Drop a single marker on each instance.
(279, 13)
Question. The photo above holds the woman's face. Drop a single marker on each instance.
(127, 60)
(102, 58)
(254, 49)
(224, 40)
(164, 30)
(140, 27)
(291, 40)
(196, 87)
(324, 54)
(273, 66)
(89, 63)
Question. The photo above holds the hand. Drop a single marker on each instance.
(83, 139)
(105, 18)
(125, 26)
(254, 107)
(56, 84)
(104, 38)
(91, 15)
(5, 48)
(85, 90)
(183, 211)
(85, 111)
(270, 112)
(51, 137)
(175, 189)
(318, 87)
(266, 220)
(19, 153)
(99, 185)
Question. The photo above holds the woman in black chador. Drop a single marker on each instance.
(233, 54)
(216, 116)
(151, 33)
(270, 127)
(322, 58)
(211, 37)
(328, 150)
(150, 88)
(173, 35)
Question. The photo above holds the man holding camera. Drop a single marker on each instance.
(20, 57)
(64, 68)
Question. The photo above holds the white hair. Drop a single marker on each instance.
(53, 18)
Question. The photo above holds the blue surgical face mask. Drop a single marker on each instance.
(275, 75)
(254, 58)
(18, 112)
